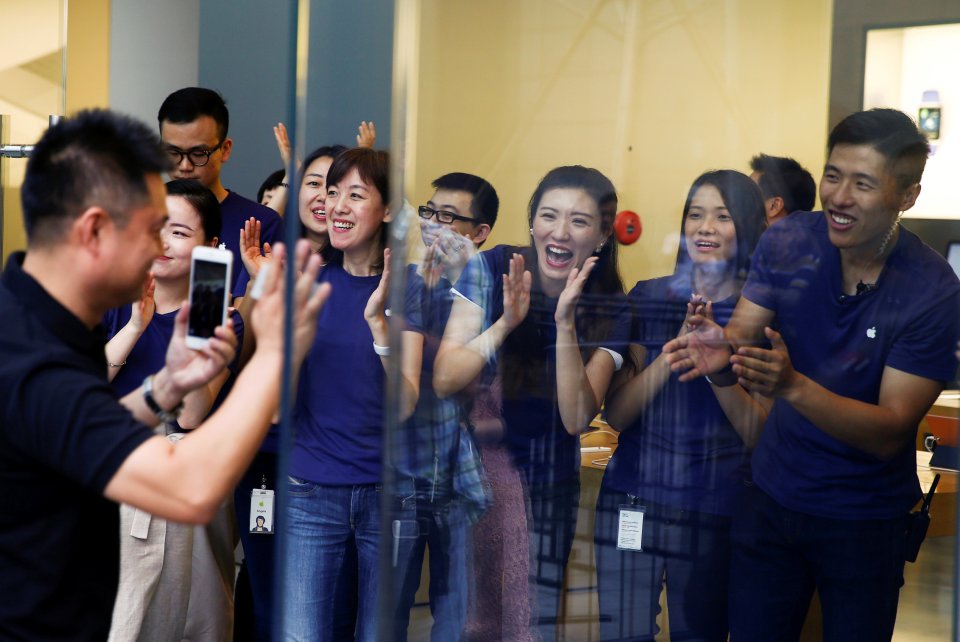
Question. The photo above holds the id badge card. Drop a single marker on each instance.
(630, 528)
(261, 511)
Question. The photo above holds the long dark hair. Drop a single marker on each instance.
(374, 169)
(523, 349)
(744, 200)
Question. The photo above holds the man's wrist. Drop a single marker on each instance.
(165, 392)
(793, 391)
(158, 397)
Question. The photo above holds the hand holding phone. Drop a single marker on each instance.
(210, 270)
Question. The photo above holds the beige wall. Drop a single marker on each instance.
(31, 79)
(88, 54)
(651, 93)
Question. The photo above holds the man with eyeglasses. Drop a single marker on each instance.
(193, 125)
(435, 448)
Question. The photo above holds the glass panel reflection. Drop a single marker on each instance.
(616, 479)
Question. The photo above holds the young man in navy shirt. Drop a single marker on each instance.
(867, 316)
(94, 207)
(194, 122)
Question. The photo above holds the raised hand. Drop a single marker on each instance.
(367, 134)
(516, 292)
(267, 317)
(697, 310)
(447, 255)
(702, 350)
(189, 369)
(567, 303)
(250, 252)
(767, 371)
(375, 310)
(432, 267)
(283, 143)
(141, 312)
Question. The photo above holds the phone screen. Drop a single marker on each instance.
(207, 297)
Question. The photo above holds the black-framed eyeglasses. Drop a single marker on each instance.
(443, 216)
(198, 157)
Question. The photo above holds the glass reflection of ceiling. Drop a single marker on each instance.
(33, 85)
(31, 56)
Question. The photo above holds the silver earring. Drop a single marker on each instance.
(599, 248)
(531, 231)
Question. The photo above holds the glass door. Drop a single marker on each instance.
(33, 55)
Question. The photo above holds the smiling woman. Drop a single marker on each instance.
(682, 454)
(170, 554)
(335, 482)
(547, 332)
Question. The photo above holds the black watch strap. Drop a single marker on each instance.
(166, 416)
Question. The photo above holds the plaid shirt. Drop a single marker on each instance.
(434, 446)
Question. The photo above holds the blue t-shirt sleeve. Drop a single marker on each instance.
(621, 330)
(471, 284)
(239, 329)
(926, 346)
(240, 287)
(271, 228)
(481, 283)
(413, 295)
(760, 287)
(114, 320)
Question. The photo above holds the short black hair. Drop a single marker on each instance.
(786, 178)
(892, 133)
(190, 103)
(95, 157)
(373, 166)
(272, 181)
(484, 204)
(203, 201)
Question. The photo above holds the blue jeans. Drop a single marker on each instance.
(685, 551)
(444, 531)
(331, 563)
(780, 556)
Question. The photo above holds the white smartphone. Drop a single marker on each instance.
(210, 270)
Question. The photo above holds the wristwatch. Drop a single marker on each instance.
(166, 416)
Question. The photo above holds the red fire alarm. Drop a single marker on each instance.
(627, 227)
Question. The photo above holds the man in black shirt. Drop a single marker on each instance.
(94, 208)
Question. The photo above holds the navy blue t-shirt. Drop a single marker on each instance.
(910, 322)
(339, 410)
(533, 430)
(681, 451)
(149, 353)
(236, 210)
